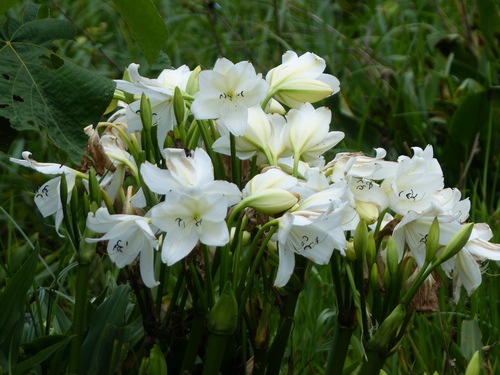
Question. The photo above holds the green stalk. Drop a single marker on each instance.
(235, 162)
(193, 344)
(215, 353)
(82, 280)
(339, 348)
(278, 347)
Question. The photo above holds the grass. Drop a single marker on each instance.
(412, 74)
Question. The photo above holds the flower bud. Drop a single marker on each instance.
(392, 257)
(223, 318)
(272, 201)
(371, 252)
(350, 253)
(432, 241)
(192, 86)
(179, 108)
(387, 330)
(367, 211)
(360, 240)
(374, 283)
(474, 366)
(456, 243)
(146, 113)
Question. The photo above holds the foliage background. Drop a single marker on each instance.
(412, 74)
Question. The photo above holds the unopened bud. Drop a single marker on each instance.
(432, 241)
(192, 86)
(392, 257)
(456, 243)
(368, 211)
(223, 318)
(179, 107)
(474, 366)
(272, 201)
(146, 113)
(360, 240)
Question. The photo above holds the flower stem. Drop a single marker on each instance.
(215, 353)
(82, 280)
(338, 350)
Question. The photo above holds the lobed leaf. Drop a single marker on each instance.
(39, 88)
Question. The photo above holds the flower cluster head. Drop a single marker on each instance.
(190, 155)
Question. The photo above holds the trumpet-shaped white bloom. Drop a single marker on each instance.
(160, 92)
(415, 181)
(187, 173)
(312, 229)
(301, 79)
(187, 219)
(263, 137)
(128, 236)
(227, 91)
(47, 196)
(306, 133)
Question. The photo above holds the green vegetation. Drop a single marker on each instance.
(411, 73)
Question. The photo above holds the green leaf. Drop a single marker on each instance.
(110, 312)
(39, 88)
(44, 347)
(13, 296)
(146, 24)
(5, 5)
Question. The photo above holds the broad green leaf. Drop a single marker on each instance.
(146, 24)
(12, 298)
(42, 348)
(470, 341)
(5, 5)
(39, 88)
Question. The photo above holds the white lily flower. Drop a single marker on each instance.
(414, 227)
(415, 181)
(187, 219)
(187, 173)
(160, 92)
(312, 229)
(306, 133)
(47, 196)
(262, 137)
(128, 236)
(356, 164)
(301, 79)
(227, 91)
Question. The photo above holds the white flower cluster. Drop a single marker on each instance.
(175, 202)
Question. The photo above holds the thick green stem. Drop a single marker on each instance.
(193, 344)
(215, 353)
(277, 350)
(338, 350)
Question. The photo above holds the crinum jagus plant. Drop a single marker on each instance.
(211, 189)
